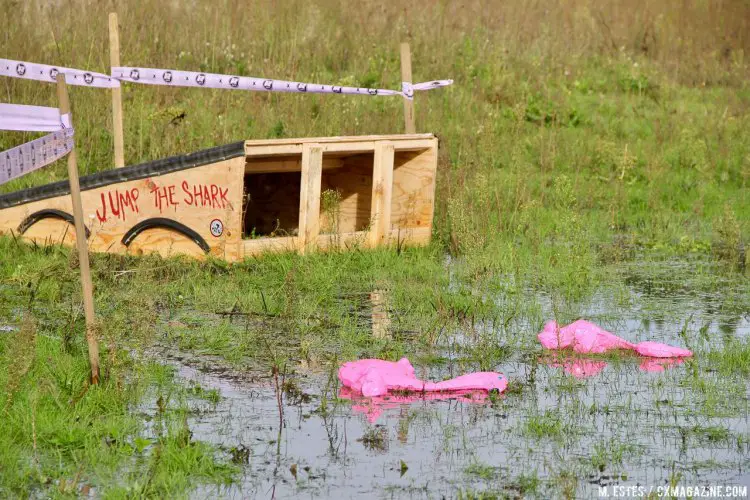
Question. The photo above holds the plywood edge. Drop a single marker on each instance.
(309, 200)
(256, 247)
(363, 144)
(340, 138)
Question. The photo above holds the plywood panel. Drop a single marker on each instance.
(412, 205)
(256, 247)
(52, 232)
(194, 197)
(382, 184)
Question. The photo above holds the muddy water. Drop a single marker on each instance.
(575, 425)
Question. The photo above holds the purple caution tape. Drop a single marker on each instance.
(24, 118)
(47, 73)
(153, 76)
(35, 154)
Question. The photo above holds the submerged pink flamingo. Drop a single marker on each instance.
(588, 338)
(375, 377)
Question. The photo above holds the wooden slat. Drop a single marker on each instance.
(353, 147)
(279, 147)
(273, 166)
(409, 126)
(309, 200)
(382, 184)
(337, 139)
(259, 246)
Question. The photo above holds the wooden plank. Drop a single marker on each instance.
(280, 147)
(337, 139)
(409, 126)
(346, 147)
(357, 147)
(382, 184)
(83, 251)
(295, 149)
(286, 164)
(259, 246)
(114, 61)
(412, 204)
(263, 150)
(309, 200)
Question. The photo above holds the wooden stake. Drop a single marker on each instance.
(309, 196)
(382, 188)
(409, 126)
(114, 60)
(83, 253)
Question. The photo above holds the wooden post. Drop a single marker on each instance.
(409, 126)
(83, 252)
(309, 197)
(114, 60)
(382, 189)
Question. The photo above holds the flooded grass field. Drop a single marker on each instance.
(235, 394)
(568, 425)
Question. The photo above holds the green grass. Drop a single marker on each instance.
(62, 436)
(546, 426)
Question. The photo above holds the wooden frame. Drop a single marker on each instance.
(245, 199)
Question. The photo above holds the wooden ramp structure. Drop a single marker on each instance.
(245, 199)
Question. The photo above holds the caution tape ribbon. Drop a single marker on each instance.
(47, 73)
(153, 76)
(174, 78)
(35, 154)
